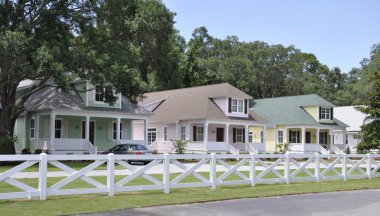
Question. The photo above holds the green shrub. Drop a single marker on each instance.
(282, 148)
(7, 145)
(26, 151)
(348, 150)
(38, 151)
(179, 146)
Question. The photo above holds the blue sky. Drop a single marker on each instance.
(339, 32)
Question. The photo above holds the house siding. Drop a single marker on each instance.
(270, 142)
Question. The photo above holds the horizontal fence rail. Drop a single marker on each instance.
(50, 175)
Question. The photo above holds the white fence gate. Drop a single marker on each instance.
(163, 172)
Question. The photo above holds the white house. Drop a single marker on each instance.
(354, 119)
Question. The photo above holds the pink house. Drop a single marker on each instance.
(212, 118)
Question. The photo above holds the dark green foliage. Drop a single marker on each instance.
(26, 151)
(38, 151)
(179, 146)
(6, 144)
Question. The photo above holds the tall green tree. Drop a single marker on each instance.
(113, 43)
(370, 138)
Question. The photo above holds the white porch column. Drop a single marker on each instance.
(146, 131)
(344, 140)
(331, 140)
(246, 134)
(317, 136)
(118, 130)
(226, 133)
(205, 133)
(87, 128)
(303, 138)
(177, 131)
(52, 129)
(265, 135)
(37, 126)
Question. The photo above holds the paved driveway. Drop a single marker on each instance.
(363, 202)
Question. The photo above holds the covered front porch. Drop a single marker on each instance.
(307, 139)
(218, 136)
(79, 132)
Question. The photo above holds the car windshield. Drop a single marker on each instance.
(137, 147)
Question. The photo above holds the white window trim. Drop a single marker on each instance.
(115, 130)
(237, 105)
(250, 137)
(55, 128)
(34, 129)
(278, 140)
(147, 137)
(200, 132)
(296, 136)
(239, 135)
(185, 134)
(325, 113)
(261, 136)
(103, 102)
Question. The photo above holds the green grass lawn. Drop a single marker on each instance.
(58, 205)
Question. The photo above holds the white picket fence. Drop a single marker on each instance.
(208, 170)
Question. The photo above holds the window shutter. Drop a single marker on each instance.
(326, 137)
(290, 136)
(229, 105)
(298, 136)
(46, 128)
(243, 135)
(246, 106)
(320, 113)
(234, 135)
(110, 127)
(332, 114)
(194, 133)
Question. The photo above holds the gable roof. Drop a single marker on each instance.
(290, 110)
(350, 116)
(194, 103)
(50, 98)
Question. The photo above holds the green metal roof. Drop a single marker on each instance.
(290, 110)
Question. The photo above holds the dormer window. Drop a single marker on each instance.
(237, 105)
(99, 94)
(325, 113)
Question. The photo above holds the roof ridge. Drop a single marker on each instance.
(192, 87)
(287, 96)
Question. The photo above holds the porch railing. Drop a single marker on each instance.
(62, 144)
(232, 150)
(251, 149)
(153, 146)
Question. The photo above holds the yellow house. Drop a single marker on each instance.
(305, 122)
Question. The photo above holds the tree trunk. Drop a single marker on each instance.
(7, 124)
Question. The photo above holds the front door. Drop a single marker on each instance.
(220, 134)
(308, 137)
(92, 131)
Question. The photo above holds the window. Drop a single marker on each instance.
(280, 136)
(250, 137)
(237, 105)
(200, 133)
(261, 136)
(322, 138)
(114, 130)
(346, 139)
(294, 137)
(58, 128)
(99, 94)
(325, 113)
(32, 128)
(183, 133)
(165, 133)
(152, 135)
(239, 134)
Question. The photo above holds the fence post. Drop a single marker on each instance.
(252, 170)
(317, 167)
(369, 166)
(287, 168)
(166, 177)
(344, 166)
(43, 176)
(111, 174)
(213, 171)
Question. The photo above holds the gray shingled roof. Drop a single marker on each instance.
(195, 103)
(289, 110)
(51, 98)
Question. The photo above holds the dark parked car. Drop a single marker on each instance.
(131, 149)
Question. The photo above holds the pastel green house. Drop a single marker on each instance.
(305, 122)
(76, 122)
